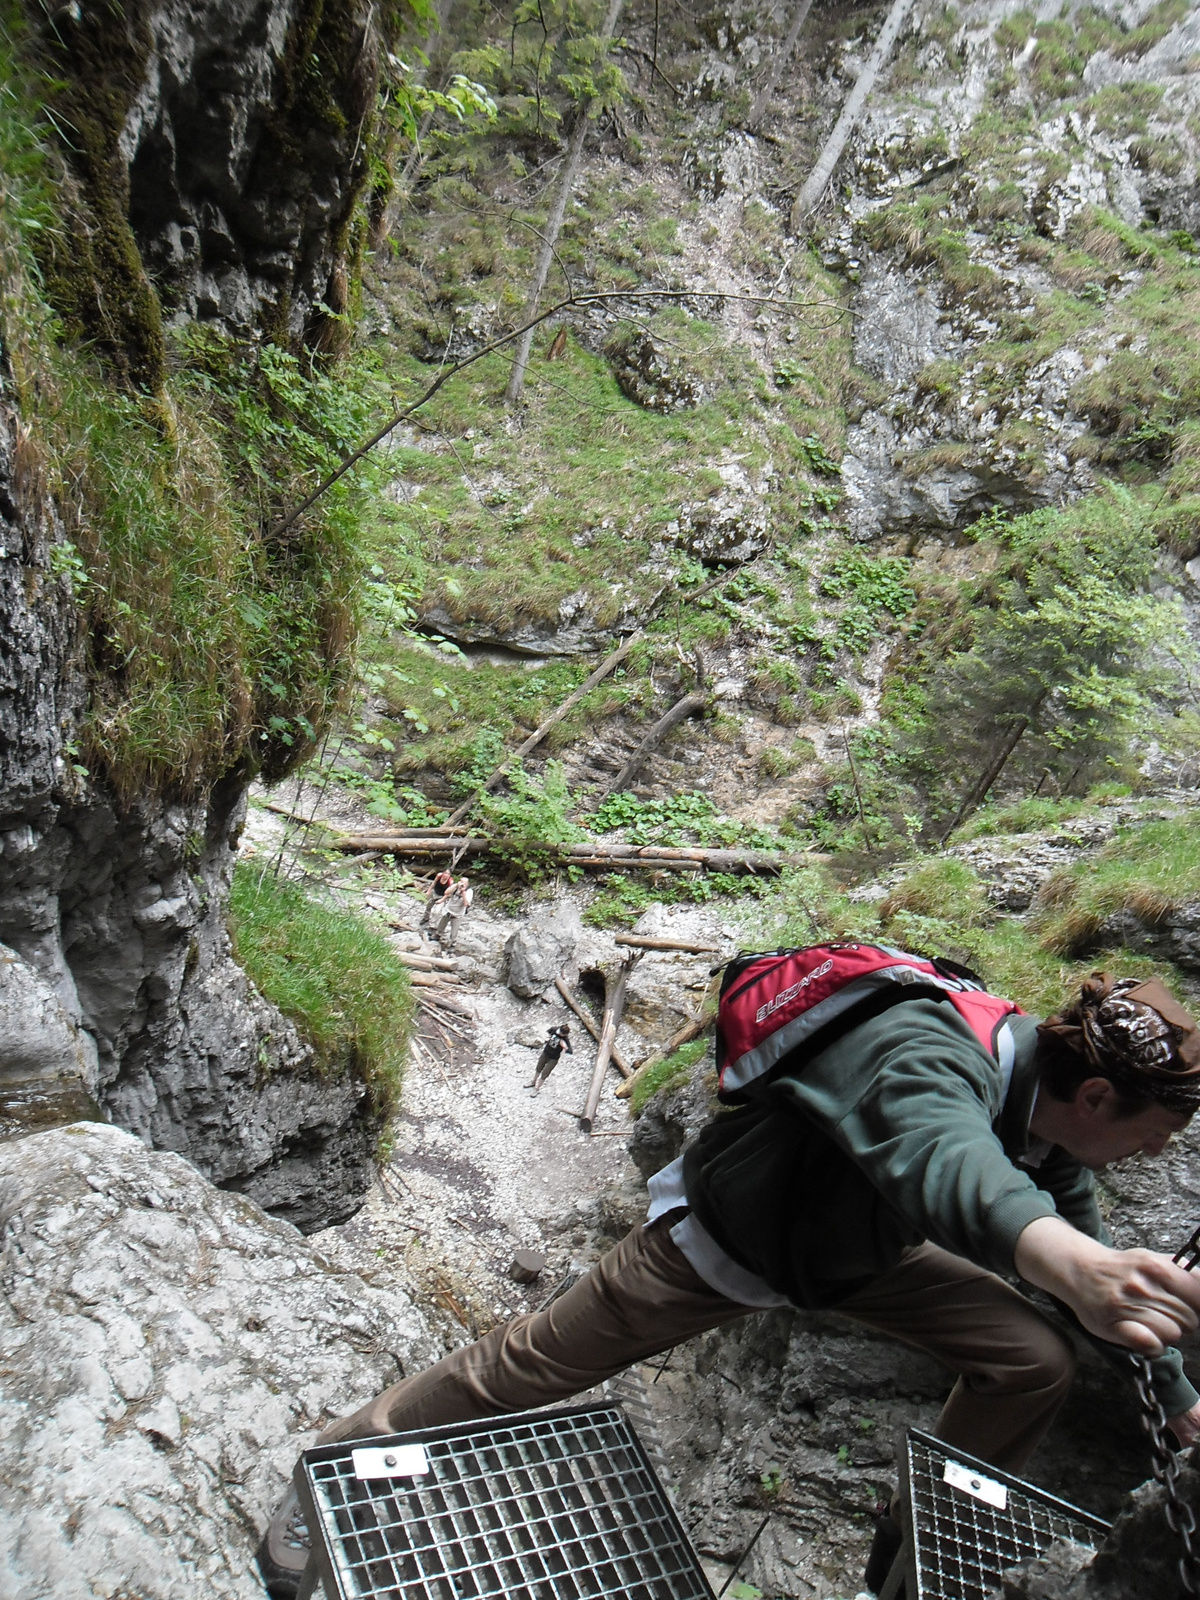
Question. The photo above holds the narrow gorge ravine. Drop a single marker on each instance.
(898, 499)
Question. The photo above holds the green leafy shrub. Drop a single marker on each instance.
(333, 974)
(677, 820)
(873, 588)
(530, 819)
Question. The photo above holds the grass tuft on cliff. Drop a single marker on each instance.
(940, 908)
(331, 973)
(665, 1074)
(1148, 871)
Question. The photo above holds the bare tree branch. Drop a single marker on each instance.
(600, 297)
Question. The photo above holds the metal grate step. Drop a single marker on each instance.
(967, 1522)
(545, 1505)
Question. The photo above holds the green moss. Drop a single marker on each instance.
(332, 973)
(665, 1074)
(210, 645)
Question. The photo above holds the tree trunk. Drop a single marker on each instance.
(814, 188)
(778, 61)
(554, 222)
(614, 1006)
(983, 787)
(622, 1065)
(689, 706)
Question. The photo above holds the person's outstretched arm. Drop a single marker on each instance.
(1135, 1298)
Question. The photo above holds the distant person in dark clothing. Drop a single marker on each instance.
(438, 890)
(558, 1041)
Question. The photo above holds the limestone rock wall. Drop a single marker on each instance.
(226, 140)
(171, 1350)
(116, 918)
(218, 150)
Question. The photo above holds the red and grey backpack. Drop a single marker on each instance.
(772, 1004)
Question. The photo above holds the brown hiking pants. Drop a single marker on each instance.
(643, 1297)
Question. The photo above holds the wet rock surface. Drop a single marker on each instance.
(171, 1351)
(1138, 1558)
(237, 156)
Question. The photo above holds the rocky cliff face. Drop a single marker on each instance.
(172, 1351)
(220, 150)
(116, 918)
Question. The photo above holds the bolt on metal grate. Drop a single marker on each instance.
(969, 1522)
(547, 1505)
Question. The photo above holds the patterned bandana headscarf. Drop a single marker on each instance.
(1138, 1036)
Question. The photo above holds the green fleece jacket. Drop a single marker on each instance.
(898, 1131)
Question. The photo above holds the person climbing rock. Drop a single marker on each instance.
(455, 904)
(558, 1040)
(438, 890)
(898, 1171)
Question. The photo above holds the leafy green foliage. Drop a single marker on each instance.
(676, 820)
(874, 587)
(552, 59)
(1035, 672)
(329, 971)
(624, 896)
(531, 818)
(1069, 650)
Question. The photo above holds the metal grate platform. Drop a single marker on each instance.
(548, 1505)
(968, 1522)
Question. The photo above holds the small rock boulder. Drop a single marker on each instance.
(651, 376)
(540, 951)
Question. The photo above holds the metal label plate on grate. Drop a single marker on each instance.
(548, 1505)
(963, 1539)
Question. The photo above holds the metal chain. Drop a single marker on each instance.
(1165, 1468)
(1166, 1463)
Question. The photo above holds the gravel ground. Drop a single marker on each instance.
(481, 1166)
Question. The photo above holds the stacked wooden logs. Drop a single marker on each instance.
(434, 844)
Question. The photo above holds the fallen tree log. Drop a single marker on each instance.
(619, 1060)
(420, 963)
(690, 706)
(609, 664)
(614, 1006)
(643, 941)
(814, 186)
(592, 853)
(431, 980)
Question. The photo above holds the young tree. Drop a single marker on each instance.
(591, 90)
(1071, 653)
